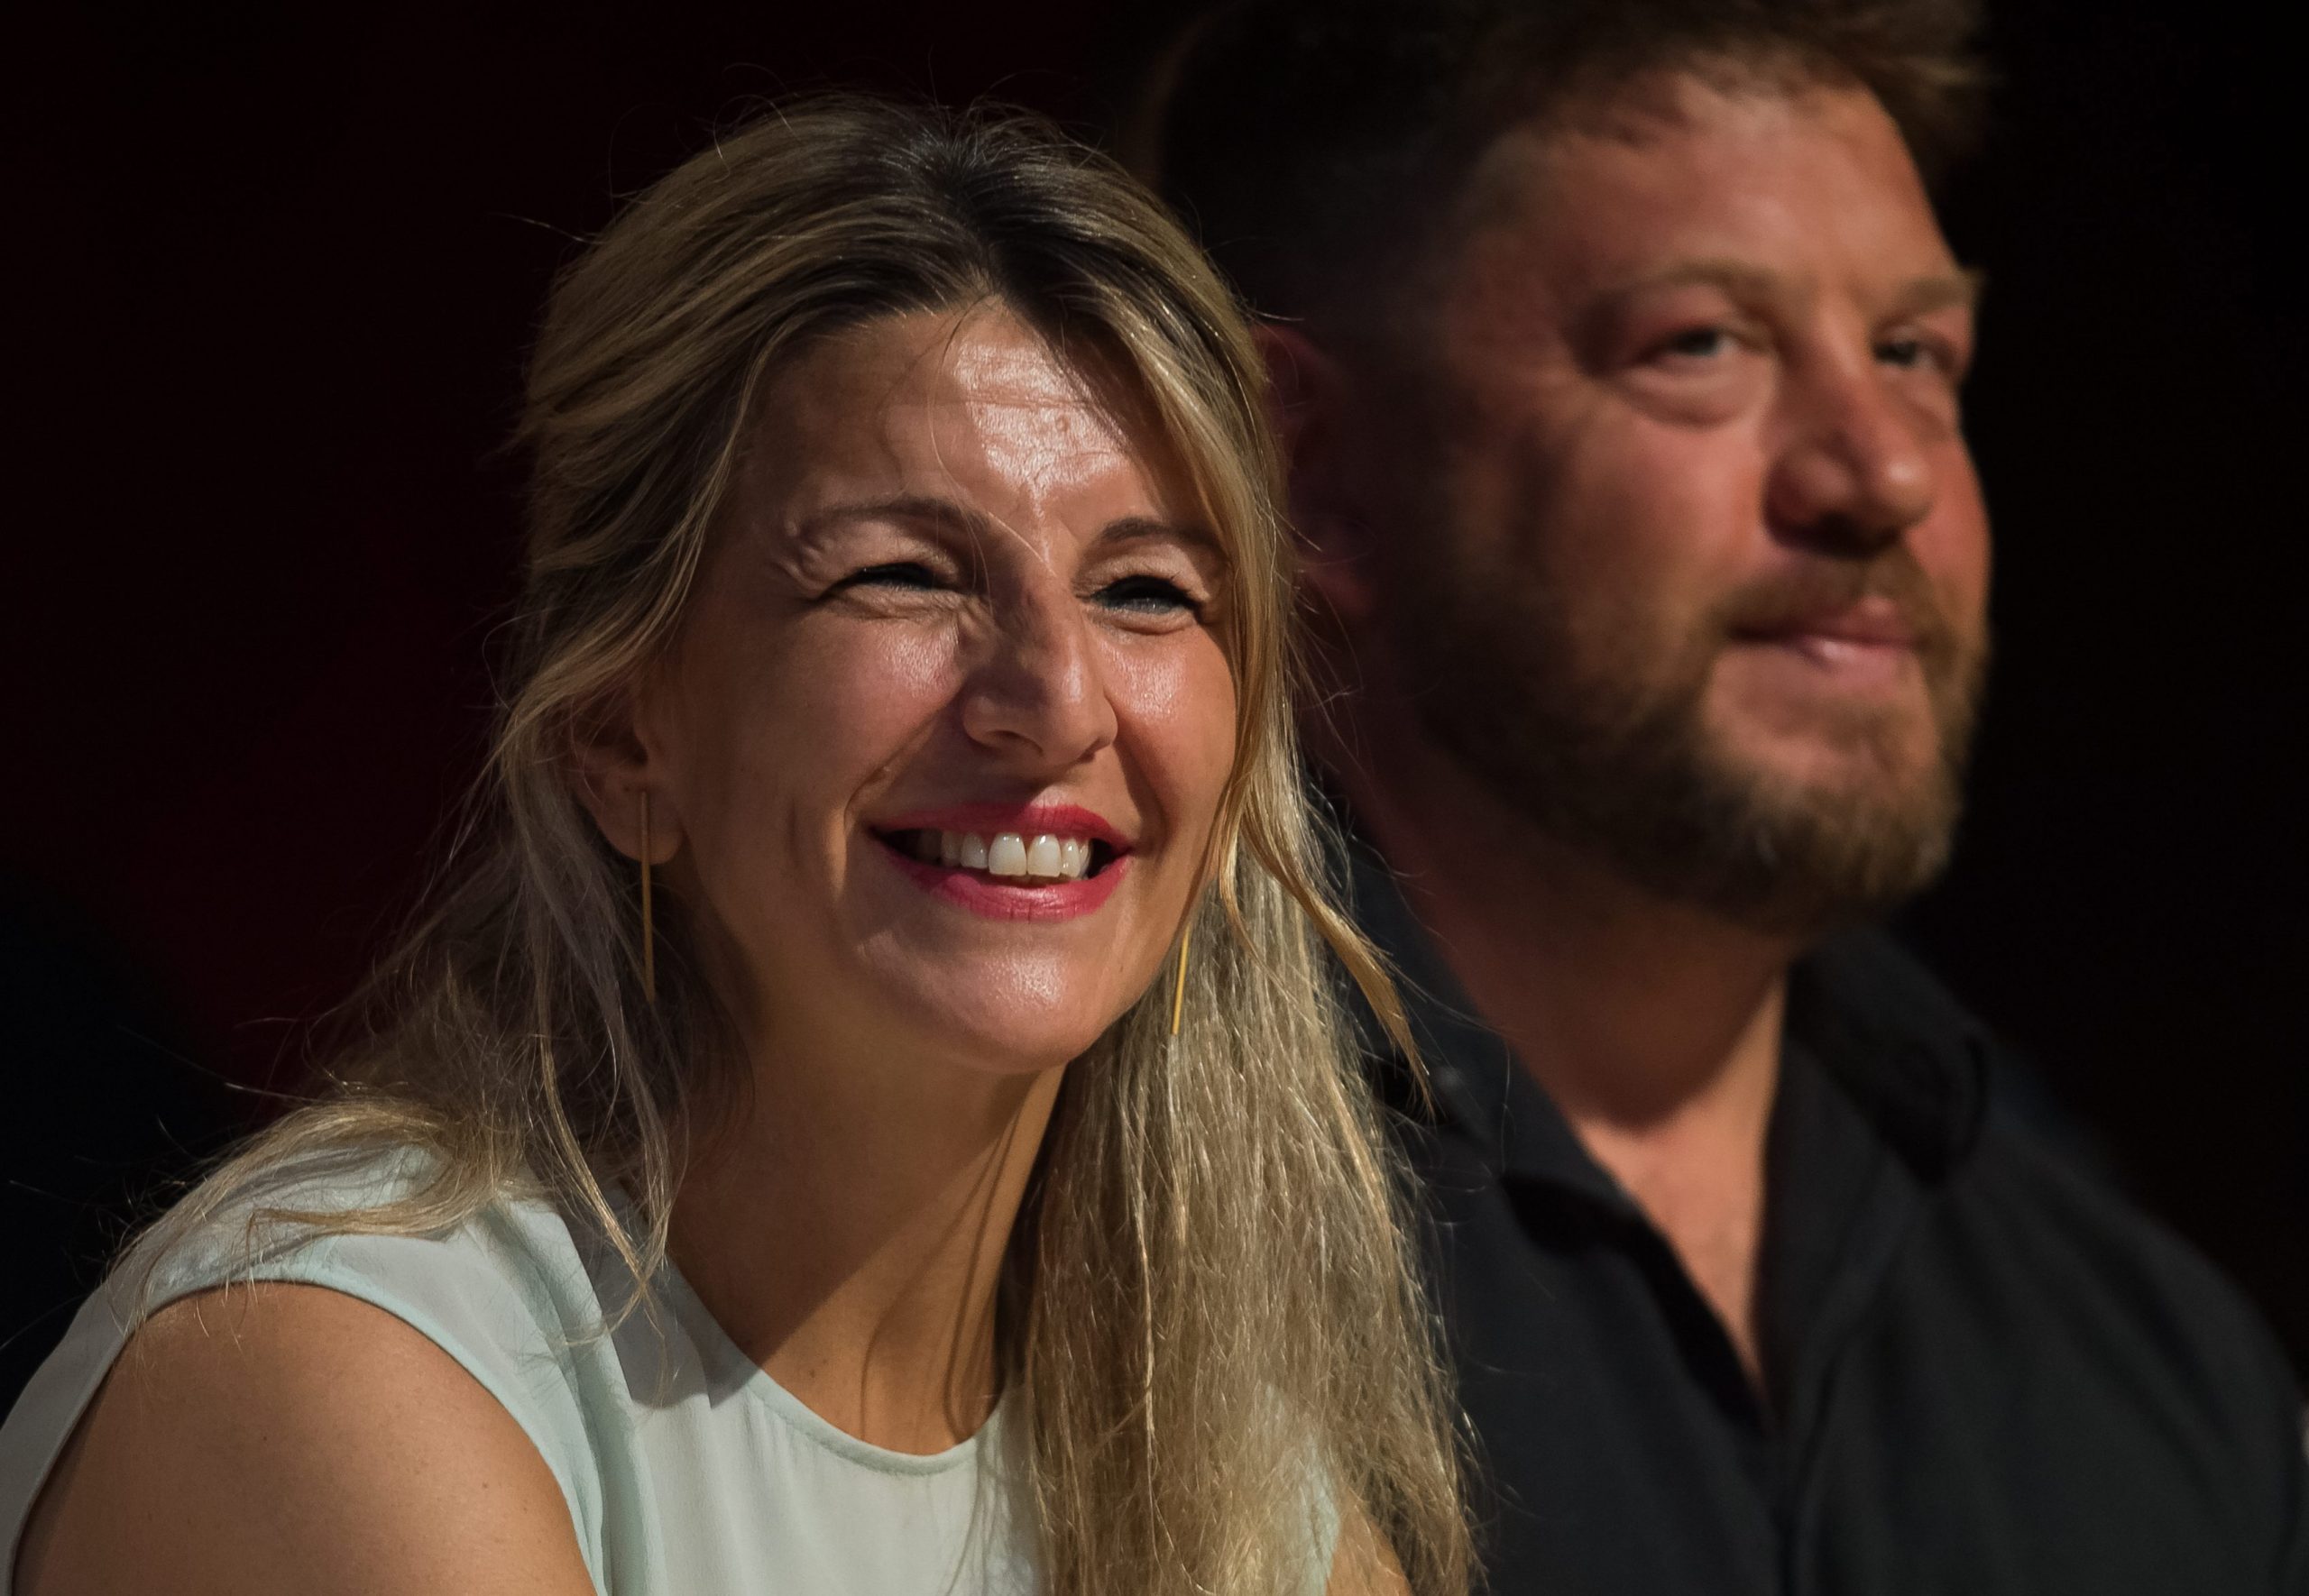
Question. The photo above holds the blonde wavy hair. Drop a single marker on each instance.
(1209, 1289)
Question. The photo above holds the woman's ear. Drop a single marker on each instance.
(1311, 396)
(617, 772)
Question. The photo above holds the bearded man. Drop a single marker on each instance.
(1619, 353)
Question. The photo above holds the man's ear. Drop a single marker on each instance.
(1314, 418)
(610, 754)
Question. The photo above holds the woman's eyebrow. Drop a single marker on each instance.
(942, 514)
(1133, 529)
(972, 528)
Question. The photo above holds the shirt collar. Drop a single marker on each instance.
(1480, 1088)
(1909, 1057)
(1905, 1052)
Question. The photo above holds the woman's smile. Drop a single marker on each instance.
(1040, 861)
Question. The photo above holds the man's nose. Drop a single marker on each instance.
(1038, 694)
(1856, 471)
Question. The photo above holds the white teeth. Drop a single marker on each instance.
(1044, 856)
(1007, 855)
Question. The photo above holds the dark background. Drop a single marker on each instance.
(276, 273)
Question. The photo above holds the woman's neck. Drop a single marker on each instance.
(847, 1229)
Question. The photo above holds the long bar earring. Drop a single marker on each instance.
(648, 926)
(1179, 981)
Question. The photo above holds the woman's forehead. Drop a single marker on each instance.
(972, 404)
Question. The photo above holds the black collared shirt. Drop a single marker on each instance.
(1988, 1376)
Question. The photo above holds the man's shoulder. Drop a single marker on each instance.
(2032, 1211)
(2087, 1316)
(2066, 1308)
(2076, 1237)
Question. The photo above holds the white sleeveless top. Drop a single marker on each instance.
(687, 1470)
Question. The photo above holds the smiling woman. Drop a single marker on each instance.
(866, 1113)
(951, 607)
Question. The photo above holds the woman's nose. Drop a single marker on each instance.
(1038, 694)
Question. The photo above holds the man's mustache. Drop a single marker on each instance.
(1818, 589)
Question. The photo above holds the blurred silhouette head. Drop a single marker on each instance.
(1618, 349)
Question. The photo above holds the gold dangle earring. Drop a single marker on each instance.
(1179, 980)
(649, 927)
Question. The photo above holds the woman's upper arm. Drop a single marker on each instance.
(272, 1439)
(1363, 1565)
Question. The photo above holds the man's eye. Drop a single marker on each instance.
(1697, 343)
(1148, 595)
(1910, 354)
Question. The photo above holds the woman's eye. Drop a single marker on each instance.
(1148, 595)
(903, 573)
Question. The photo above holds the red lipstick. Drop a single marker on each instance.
(1009, 897)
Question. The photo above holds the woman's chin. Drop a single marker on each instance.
(1007, 1027)
(998, 1038)
(1016, 1044)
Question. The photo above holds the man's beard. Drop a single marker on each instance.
(1605, 746)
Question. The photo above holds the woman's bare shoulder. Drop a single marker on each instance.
(271, 1438)
(1363, 1565)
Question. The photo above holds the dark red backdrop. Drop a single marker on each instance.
(280, 271)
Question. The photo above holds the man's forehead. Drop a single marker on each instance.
(1676, 172)
(1696, 137)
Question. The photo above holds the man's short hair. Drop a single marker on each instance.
(1311, 142)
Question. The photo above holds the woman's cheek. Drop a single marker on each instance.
(852, 704)
(1182, 702)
